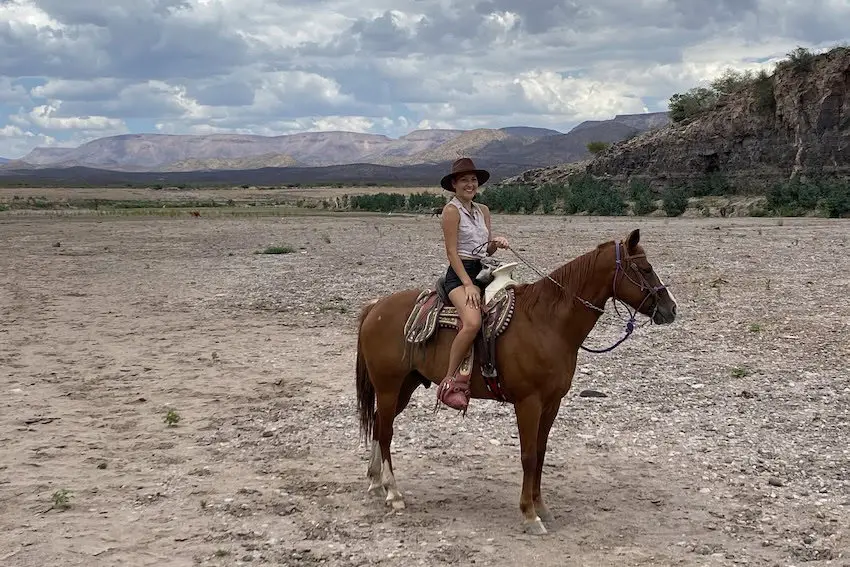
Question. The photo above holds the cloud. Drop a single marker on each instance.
(71, 71)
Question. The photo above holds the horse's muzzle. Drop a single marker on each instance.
(664, 314)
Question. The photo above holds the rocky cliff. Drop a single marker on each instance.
(795, 121)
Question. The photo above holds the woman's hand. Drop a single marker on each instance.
(473, 295)
(501, 242)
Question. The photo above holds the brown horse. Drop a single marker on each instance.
(535, 356)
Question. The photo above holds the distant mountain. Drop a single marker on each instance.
(640, 122)
(153, 152)
(4, 160)
(360, 173)
(555, 149)
(323, 155)
(464, 143)
(253, 162)
(529, 131)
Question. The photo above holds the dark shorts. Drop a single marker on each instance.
(472, 268)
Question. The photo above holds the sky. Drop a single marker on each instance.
(75, 70)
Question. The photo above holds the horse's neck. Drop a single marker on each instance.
(589, 278)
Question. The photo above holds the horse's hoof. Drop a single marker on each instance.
(375, 487)
(396, 504)
(535, 527)
(545, 515)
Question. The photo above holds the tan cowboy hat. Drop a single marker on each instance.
(461, 166)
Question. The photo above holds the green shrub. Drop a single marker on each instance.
(732, 81)
(830, 198)
(641, 194)
(675, 200)
(593, 196)
(692, 103)
(511, 198)
(383, 202)
(549, 194)
(764, 93)
(801, 59)
(714, 183)
(597, 147)
(424, 201)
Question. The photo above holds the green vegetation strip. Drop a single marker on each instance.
(579, 194)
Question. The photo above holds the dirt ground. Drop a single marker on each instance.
(722, 439)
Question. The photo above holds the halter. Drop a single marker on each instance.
(643, 285)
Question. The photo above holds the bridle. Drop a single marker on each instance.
(649, 290)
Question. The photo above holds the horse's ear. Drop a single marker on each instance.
(633, 240)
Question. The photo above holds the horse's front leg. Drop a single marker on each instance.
(528, 413)
(546, 420)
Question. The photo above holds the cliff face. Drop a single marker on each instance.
(754, 136)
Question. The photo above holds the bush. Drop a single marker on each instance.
(831, 198)
(712, 184)
(641, 194)
(424, 201)
(801, 59)
(593, 196)
(383, 202)
(549, 194)
(511, 199)
(675, 200)
(764, 93)
(597, 147)
(691, 104)
(732, 81)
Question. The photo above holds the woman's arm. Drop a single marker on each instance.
(451, 224)
(491, 246)
(494, 242)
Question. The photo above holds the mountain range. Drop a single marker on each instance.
(324, 156)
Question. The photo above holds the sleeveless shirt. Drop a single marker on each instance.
(472, 232)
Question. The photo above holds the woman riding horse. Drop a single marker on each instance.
(468, 238)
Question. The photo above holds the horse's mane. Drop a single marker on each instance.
(570, 275)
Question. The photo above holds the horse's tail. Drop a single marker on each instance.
(365, 389)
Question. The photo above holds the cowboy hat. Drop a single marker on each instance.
(461, 166)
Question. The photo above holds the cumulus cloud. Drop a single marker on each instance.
(72, 71)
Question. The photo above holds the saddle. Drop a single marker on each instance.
(433, 310)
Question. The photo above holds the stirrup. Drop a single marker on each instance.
(448, 392)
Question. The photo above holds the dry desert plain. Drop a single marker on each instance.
(722, 439)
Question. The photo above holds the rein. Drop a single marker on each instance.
(631, 324)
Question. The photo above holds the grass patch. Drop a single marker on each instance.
(740, 372)
(62, 499)
(172, 418)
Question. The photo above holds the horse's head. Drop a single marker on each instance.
(637, 284)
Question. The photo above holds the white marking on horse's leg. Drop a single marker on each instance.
(394, 497)
(535, 527)
(374, 472)
(669, 291)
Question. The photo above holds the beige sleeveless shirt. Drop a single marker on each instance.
(472, 232)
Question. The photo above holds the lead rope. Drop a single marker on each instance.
(547, 276)
(630, 324)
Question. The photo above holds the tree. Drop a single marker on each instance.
(691, 103)
(597, 147)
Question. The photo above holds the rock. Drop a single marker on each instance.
(799, 130)
(592, 394)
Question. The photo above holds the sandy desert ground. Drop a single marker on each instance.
(722, 439)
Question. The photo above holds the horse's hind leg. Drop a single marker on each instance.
(374, 471)
(389, 405)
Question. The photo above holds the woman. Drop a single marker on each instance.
(467, 235)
